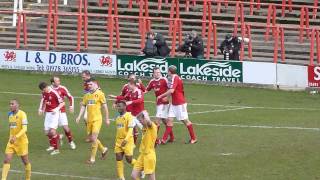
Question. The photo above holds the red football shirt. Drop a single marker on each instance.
(125, 88)
(176, 83)
(159, 86)
(50, 100)
(137, 99)
(63, 92)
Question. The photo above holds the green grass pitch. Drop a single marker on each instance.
(243, 133)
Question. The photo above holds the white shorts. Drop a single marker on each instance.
(180, 112)
(162, 111)
(63, 120)
(51, 121)
(136, 122)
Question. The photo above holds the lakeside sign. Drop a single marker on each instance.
(189, 69)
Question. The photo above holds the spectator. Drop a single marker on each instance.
(230, 47)
(156, 45)
(193, 44)
(150, 50)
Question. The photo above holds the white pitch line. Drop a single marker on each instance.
(252, 126)
(228, 125)
(60, 175)
(195, 104)
(220, 110)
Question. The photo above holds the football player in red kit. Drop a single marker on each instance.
(159, 85)
(178, 106)
(63, 120)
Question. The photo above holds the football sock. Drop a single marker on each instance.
(50, 140)
(94, 148)
(5, 170)
(28, 171)
(120, 169)
(191, 132)
(166, 133)
(171, 134)
(55, 141)
(69, 136)
(100, 145)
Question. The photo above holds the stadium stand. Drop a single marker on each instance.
(130, 39)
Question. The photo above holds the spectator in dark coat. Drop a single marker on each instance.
(150, 50)
(161, 44)
(230, 47)
(193, 44)
(156, 45)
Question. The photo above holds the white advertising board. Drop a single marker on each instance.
(293, 76)
(59, 62)
(259, 73)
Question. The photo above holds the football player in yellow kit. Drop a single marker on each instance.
(93, 101)
(18, 140)
(124, 143)
(147, 158)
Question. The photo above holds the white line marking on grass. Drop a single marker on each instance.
(225, 154)
(213, 105)
(220, 110)
(60, 175)
(252, 126)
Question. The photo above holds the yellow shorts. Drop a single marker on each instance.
(94, 127)
(146, 163)
(20, 149)
(127, 149)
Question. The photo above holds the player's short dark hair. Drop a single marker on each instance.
(52, 79)
(121, 102)
(155, 68)
(16, 100)
(173, 69)
(91, 80)
(42, 85)
(86, 72)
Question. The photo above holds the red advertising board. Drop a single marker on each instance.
(313, 76)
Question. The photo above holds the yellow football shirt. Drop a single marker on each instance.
(149, 136)
(16, 121)
(123, 123)
(93, 102)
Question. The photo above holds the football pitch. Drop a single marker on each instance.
(243, 134)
